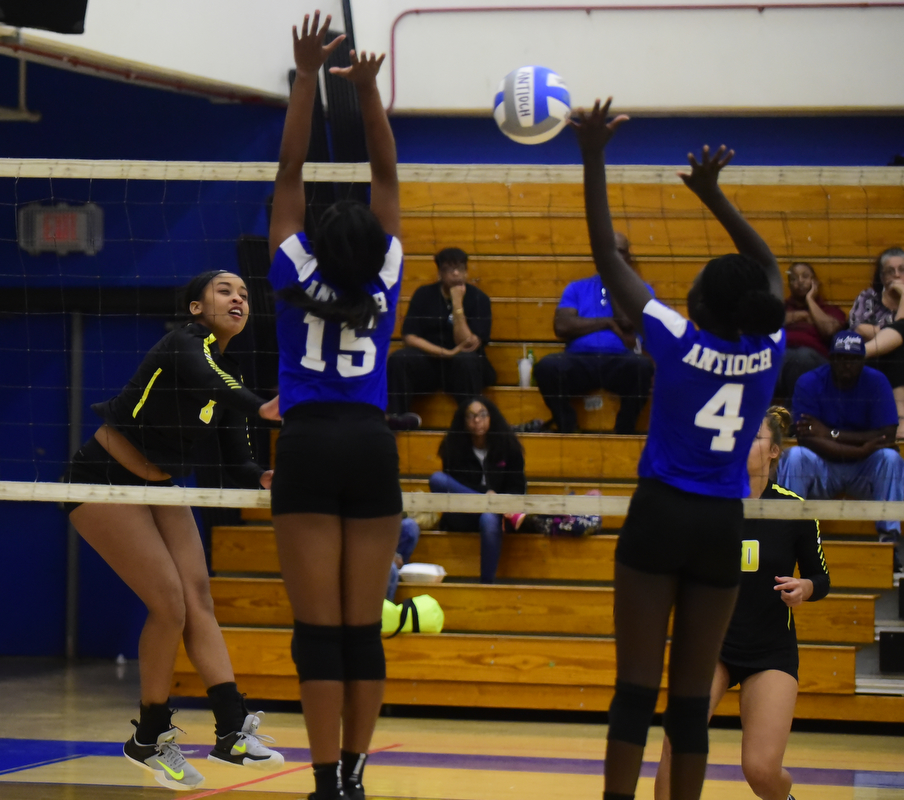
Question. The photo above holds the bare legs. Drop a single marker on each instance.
(157, 551)
(643, 602)
(336, 571)
(767, 709)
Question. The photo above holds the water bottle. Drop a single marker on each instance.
(525, 369)
(530, 357)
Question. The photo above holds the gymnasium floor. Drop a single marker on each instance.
(62, 732)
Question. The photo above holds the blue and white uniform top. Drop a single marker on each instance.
(709, 399)
(327, 362)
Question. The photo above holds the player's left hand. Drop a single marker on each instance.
(591, 128)
(704, 175)
(363, 69)
(793, 590)
(267, 479)
(270, 410)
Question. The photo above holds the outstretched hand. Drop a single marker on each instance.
(704, 175)
(309, 50)
(363, 69)
(591, 128)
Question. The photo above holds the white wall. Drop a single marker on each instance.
(660, 60)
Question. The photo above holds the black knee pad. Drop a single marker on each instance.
(630, 713)
(686, 722)
(317, 652)
(362, 652)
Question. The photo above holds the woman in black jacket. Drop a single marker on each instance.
(480, 455)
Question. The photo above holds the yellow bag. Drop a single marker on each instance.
(421, 614)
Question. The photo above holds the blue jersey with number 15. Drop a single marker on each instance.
(325, 362)
(709, 399)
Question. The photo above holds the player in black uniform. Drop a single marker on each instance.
(760, 648)
(184, 389)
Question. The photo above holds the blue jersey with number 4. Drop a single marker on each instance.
(325, 362)
(709, 399)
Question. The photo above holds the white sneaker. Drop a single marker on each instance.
(165, 760)
(246, 748)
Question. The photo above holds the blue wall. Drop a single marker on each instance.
(157, 239)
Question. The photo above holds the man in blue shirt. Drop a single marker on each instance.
(846, 421)
(599, 354)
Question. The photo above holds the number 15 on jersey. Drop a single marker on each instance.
(349, 345)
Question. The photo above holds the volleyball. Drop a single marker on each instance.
(531, 105)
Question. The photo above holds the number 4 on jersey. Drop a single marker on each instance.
(721, 413)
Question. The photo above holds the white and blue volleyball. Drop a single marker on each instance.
(532, 105)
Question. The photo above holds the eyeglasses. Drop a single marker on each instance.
(887, 272)
(479, 415)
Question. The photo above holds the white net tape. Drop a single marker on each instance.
(423, 501)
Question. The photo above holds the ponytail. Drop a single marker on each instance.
(355, 309)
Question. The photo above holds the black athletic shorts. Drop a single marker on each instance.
(336, 458)
(669, 532)
(782, 661)
(92, 464)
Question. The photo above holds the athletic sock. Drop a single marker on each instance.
(353, 767)
(152, 721)
(326, 781)
(616, 796)
(228, 708)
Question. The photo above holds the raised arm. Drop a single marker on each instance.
(623, 283)
(703, 181)
(381, 149)
(288, 193)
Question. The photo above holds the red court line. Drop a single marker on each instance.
(272, 776)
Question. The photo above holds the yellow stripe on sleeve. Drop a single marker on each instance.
(147, 389)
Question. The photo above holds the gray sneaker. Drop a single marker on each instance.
(165, 760)
(246, 748)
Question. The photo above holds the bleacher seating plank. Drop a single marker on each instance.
(477, 658)
(558, 233)
(652, 198)
(571, 456)
(571, 610)
(520, 405)
(841, 280)
(527, 556)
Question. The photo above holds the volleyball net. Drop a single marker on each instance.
(92, 252)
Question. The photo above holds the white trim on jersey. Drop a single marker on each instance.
(304, 262)
(671, 319)
(777, 336)
(392, 265)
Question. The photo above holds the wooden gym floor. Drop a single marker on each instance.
(62, 730)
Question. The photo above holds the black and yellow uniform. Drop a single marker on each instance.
(761, 634)
(183, 390)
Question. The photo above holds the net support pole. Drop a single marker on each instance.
(76, 391)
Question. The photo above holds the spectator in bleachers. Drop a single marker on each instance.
(810, 324)
(445, 331)
(408, 535)
(480, 455)
(874, 310)
(601, 352)
(846, 421)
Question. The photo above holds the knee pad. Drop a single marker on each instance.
(630, 713)
(317, 652)
(686, 722)
(362, 652)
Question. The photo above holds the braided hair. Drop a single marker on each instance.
(350, 248)
(778, 420)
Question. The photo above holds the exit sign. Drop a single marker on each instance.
(61, 229)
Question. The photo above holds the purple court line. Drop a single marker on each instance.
(24, 767)
(566, 766)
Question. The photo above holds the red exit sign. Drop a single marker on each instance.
(61, 228)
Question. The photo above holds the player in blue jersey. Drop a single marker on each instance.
(336, 497)
(680, 542)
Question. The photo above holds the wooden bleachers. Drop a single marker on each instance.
(543, 638)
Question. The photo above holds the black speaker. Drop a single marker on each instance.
(891, 651)
(62, 16)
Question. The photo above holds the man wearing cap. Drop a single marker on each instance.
(846, 421)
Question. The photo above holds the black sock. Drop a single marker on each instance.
(152, 721)
(616, 796)
(228, 708)
(353, 768)
(326, 781)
